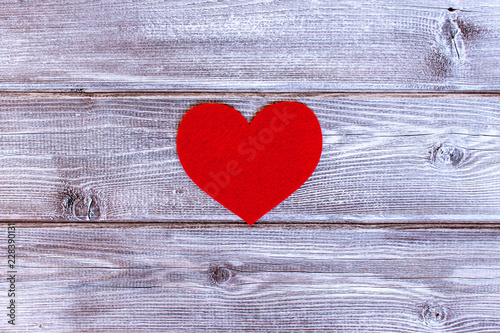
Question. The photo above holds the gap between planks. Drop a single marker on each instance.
(259, 225)
(248, 94)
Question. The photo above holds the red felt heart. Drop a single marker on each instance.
(249, 168)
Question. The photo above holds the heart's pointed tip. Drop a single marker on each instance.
(250, 222)
(250, 219)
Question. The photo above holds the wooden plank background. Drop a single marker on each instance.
(250, 45)
(385, 158)
(257, 280)
(398, 229)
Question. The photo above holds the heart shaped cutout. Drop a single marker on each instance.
(249, 168)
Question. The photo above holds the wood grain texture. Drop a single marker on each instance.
(251, 45)
(255, 280)
(385, 159)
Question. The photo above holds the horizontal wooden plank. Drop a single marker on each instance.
(114, 45)
(254, 279)
(385, 158)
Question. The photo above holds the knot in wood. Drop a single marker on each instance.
(220, 274)
(433, 314)
(80, 206)
(469, 30)
(446, 156)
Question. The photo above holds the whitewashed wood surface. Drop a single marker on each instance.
(402, 158)
(398, 229)
(106, 279)
(250, 45)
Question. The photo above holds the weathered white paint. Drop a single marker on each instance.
(403, 158)
(116, 45)
(164, 279)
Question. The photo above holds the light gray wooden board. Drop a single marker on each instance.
(255, 279)
(252, 45)
(385, 159)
